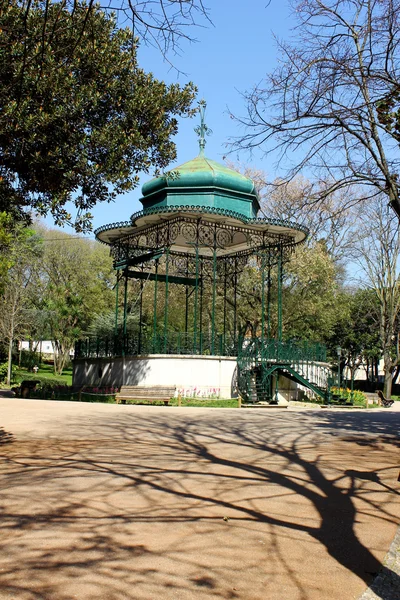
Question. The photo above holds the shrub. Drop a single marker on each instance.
(29, 359)
(359, 398)
(4, 370)
(58, 390)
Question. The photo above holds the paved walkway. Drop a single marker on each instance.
(108, 502)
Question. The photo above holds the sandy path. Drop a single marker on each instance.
(105, 502)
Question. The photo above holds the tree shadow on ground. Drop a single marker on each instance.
(161, 504)
(366, 427)
(5, 437)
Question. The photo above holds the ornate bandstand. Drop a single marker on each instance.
(183, 255)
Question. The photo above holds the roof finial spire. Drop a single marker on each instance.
(202, 130)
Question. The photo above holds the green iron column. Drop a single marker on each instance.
(225, 286)
(262, 297)
(140, 316)
(116, 344)
(125, 312)
(280, 281)
(166, 300)
(187, 298)
(235, 304)
(125, 303)
(155, 308)
(116, 307)
(201, 306)
(196, 289)
(269, 297)
(214, 293)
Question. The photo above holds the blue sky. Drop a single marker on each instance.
(230, 57)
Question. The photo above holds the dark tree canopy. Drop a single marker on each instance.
(323, 108)
(388, 110)
(79, 118)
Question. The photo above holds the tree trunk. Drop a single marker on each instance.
(9, 367)
(61, 354)
(10, 344)
(387, 386)
(396, 374)
(388, 373)
(367, 370)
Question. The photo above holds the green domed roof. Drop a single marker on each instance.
(201, 192)
(201, 172)
(202, 182)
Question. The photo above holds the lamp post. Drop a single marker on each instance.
(339, 354)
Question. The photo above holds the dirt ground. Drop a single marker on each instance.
(112, 502)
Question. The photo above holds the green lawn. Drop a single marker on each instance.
(45, 372)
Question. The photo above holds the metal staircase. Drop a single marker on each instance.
(261, 361)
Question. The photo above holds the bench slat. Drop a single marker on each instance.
(125, 397)
(149, 393)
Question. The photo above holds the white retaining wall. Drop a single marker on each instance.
(205, 376)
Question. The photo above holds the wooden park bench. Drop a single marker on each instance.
(147, 393)
(384, 401)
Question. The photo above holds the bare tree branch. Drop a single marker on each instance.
(318, 109)
(376, 248)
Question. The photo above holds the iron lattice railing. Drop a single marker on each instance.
(292, 351)
(171, 343)
(260, 358)
(250, 351)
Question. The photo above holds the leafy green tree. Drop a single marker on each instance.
(75, 285)
(24, 254)
(311, 294)
(357, 332)
(80, 119)
(7, 231)
(103, 325)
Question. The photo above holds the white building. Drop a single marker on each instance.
(43, 347)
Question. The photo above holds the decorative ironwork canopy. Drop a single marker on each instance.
(198, 230)
(186, 229)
